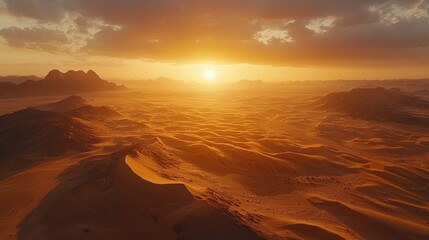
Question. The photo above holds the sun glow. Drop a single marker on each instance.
(209, 75)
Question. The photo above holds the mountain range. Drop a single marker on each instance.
(58, 83)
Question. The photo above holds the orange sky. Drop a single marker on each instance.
(272, 40)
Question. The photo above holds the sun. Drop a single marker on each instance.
(209, 75)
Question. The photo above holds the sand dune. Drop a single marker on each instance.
(33, 131)
(78, 107)
(226, 165)
(64, 105)
(378, 104)
(91, 112)
(116, 203)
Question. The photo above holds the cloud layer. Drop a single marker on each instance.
(275, 32)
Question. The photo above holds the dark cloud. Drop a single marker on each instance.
(362, 31)
(43, 10)
(36, 38)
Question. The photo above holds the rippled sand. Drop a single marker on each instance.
(276, 166)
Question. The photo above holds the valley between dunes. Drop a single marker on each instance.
(218, 165)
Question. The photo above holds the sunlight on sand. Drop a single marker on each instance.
(277, 163)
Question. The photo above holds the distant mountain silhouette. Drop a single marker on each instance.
(33, 131)
(19, 79)
(377, 104)
(56, 82)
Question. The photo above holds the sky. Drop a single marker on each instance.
(272, 40)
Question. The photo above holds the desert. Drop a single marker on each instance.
(229, 163)
(214, 120)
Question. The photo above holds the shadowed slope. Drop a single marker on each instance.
(65, 105)
(377, 104)
(78, 107)
(90, 112)
(35, 131)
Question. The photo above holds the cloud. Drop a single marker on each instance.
(36, 38)
(276, 32)
(44, 10)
